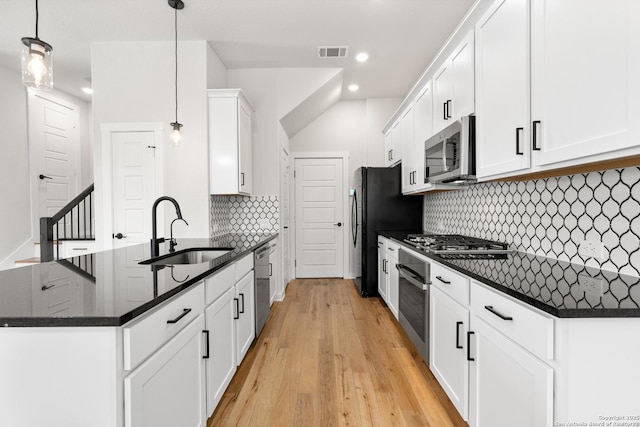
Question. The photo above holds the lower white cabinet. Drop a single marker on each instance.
(168, 389)
(449, 323)
(393, 277)
(508, 385)
(382, 269)
(245, 319)
(220, 348)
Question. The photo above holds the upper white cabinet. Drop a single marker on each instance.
(585, 65)
(393, 144)
(230, 162)
(502, 89)
(551, 91)
(422, 130)
(453, 85)
(408, 144)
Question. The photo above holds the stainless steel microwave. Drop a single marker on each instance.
(450, 155)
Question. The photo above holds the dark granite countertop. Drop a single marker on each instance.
(557, 287)
(108, 288)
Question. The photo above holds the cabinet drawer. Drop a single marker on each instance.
(524, 325)
(243, 266)
(144, 336)
(451, 283)
(219, 283)
(392, 248)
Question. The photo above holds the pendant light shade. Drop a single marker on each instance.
(176, 127)
(37, 62)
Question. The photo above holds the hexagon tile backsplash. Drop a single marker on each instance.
(550, 217)
(244, 214)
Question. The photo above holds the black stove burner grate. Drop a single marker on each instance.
(454, 246)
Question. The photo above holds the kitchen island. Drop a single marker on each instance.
(78, 332)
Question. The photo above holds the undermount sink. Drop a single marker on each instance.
(188, 256)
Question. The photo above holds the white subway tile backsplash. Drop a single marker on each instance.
(550, 217)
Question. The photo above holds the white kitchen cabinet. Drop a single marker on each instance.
(168, 389)
(393, 144)
(245, 323)
(453, 85)
(382, 269)
(584, 81)
(502, 89)
(548, 98)
(230, 140)
(508, 385)
(423, 130)
(408, 147)
(393, 291)
(448, 325)
(221, 362)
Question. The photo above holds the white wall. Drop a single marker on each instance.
(15, 218)
(133, 82)
(353, 126)
(274, 92)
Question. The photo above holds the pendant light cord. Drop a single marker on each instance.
(176, 54)
(37, 20)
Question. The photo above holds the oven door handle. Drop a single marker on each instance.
(412, 277)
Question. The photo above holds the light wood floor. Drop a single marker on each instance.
(328, 357)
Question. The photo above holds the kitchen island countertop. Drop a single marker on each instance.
(108, 288)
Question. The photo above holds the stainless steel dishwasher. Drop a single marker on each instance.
(263, 269)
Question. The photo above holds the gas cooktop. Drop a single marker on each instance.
(456, 246)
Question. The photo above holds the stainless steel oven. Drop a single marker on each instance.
(413, 300)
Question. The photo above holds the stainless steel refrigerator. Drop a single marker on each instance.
(378, 205)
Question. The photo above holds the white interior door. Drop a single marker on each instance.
(133, 186)
(284, 213)
(55, 137)
(319, 199)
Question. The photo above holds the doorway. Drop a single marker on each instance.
(320, 217)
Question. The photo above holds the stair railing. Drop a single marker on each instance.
(73, 222)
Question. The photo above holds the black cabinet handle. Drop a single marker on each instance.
(535, 135)
(206, 334)
(242, 310)
(270, 269)
(518, 131)
(446, 282)
(500, 315)
(44, 177)
(237, 316)
(391, 152)
(458, 324)
(469, 358)
(45, 287)
(241, 179)
(444, 110)
(448, 109)
(177, 319)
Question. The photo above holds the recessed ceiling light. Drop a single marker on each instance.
(87, 90)
(362, 56)
(353, 87)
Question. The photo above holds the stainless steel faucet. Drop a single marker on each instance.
(155, 241)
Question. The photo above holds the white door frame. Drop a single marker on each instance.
(106, 129)
(344, 155)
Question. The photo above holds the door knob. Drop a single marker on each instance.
(44, 177)
(118, 236)
(338, 224)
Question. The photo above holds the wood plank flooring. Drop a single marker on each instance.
(328, 357)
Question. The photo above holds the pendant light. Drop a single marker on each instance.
(37, 71)
(176, 127)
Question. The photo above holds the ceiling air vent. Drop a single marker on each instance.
(333, 51)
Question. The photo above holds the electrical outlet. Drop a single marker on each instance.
(263, 223)
(592, 286)
(591, 249)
